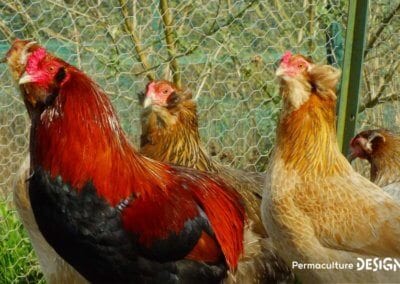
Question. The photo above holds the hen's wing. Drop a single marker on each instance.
(393, 190)
(364, 218)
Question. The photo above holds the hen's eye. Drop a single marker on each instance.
(165, 91)
(300, 65)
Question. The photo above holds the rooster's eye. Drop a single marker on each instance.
(51, 68)
(165, 91)
(300, 65)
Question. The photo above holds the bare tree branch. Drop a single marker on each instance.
(387, 79)
(77, 39)
(206, 72)
(185, 15)
(170, 39)
(379, 99)
(381, 28)
(73, 11)
(99, 15)
(311, 16)
(367, 83)
(216, 15)
(211, 32)
(282, 11)
(6, 31)
(16, 7)
(375, 102)
(131, 29)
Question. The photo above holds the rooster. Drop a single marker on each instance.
(113, 214)
(16, 60)
(316, 208)
(54, 268)
(170, 134)
(381, 148)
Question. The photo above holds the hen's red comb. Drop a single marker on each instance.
(151, 87)
(34, 59)
(286, 57)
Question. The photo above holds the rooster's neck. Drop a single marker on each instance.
(80, 139)
(306, 138)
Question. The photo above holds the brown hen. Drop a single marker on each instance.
(381, 148)
(170, 134)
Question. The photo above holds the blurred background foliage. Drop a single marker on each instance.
(225, 52)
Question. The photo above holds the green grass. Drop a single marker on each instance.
(18, 262)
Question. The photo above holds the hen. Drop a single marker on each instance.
(316, 208)
(54, 268)
(381, 148)
(113, 214)
(170, 134)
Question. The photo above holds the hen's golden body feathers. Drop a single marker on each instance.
(316, 207)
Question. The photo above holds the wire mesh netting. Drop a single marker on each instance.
(223, 51)
(379, 105)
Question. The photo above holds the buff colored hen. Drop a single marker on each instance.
(316, 208)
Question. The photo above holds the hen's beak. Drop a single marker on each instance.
(25, 78)
(148, 100)
(280, 71)
(3, 60)
(351, 157)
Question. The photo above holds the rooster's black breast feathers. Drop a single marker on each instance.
(89, 234)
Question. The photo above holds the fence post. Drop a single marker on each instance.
(351, 72)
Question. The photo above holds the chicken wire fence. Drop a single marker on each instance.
(223, 51)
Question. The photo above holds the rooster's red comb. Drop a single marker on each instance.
(34, 59)
(286, 57)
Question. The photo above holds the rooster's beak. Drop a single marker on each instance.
(26, 78)
(3, 60)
